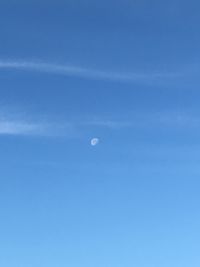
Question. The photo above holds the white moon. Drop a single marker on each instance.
(94, 141)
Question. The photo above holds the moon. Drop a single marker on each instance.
(94, 141)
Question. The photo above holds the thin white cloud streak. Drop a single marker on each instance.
(20, 128)
(141, 120)
(65, 129)
(80, 72)
(30, 128)
(112, 124)
(73, 129)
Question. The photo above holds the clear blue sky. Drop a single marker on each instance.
(126, 72)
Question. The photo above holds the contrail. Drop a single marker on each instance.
(74, 71)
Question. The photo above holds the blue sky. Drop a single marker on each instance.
(126, 72)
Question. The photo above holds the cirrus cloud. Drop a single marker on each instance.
(82, 72)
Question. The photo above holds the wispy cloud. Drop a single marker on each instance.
(40, 129)
(108, 123)
(20, 128)
(24, 126)
(75, 71)
(17, 123)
